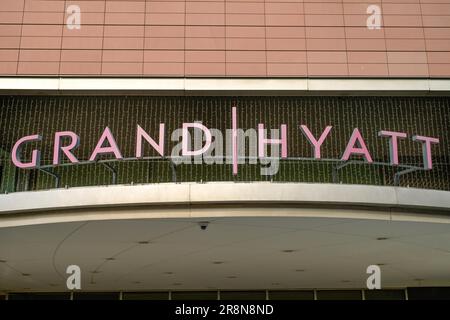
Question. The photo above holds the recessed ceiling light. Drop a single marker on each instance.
(288, 250)
(382, 238)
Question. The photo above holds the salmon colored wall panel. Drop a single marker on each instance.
(11, 5)
(164, 43)
(366, 44)
(401, 8)
(43, 18)
(204, 69)
(161, 19)
(122, 31)
(326, 44)
(287, 70)
(404, 33)
(9, 55)
(246, 69)
(85, 69)
(327, 69)
(43, 5)
(40, 55)
(205, 32)
(10, 30)
(122, 56)
(121, 18)
(205, 56)
(363, 33)
(366, 57)
(286, 57)
(249, 38)
(249, 32)
(90, 18)
(244, 7)
(9, 42)
(122, 68)
(436, 9)
(8, 68)
(164, 31)
(205, 43)
(323, 20)
(407, 57)
(404, 69)
(436, 21)
(82, 43)
(405, 45)
(292, 8)
(438, 57)
(323, 8)
(286, 44)
(125, 6)
(246, 56)
(437, 33)
(88, 6)
(81, 56)
(245, 19)
(163, 69)
(165, 7)
(245, 44)
(32, 30)
(284, 20)
(11, 17)
(327, 57)
(358, 7)
(202, 7)
(438, 45)
(368, 69)
(325, 32)
(163, 56)
(37, 68)
(439, 70)
(123, 43)
(206, 19)
(40, 43)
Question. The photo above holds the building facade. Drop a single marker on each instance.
(256, 149)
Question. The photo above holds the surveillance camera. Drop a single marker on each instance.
(203, 224)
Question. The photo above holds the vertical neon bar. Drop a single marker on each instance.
(234, 139)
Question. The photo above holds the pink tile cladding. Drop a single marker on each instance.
(226, 38)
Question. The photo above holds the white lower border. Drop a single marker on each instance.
(204, 85)
(212, 200)
(261, 193)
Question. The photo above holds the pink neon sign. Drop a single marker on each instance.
(66, 143)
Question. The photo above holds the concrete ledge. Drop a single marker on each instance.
(186, 194)
(226, 86)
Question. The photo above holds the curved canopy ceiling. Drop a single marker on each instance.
(175, 254)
